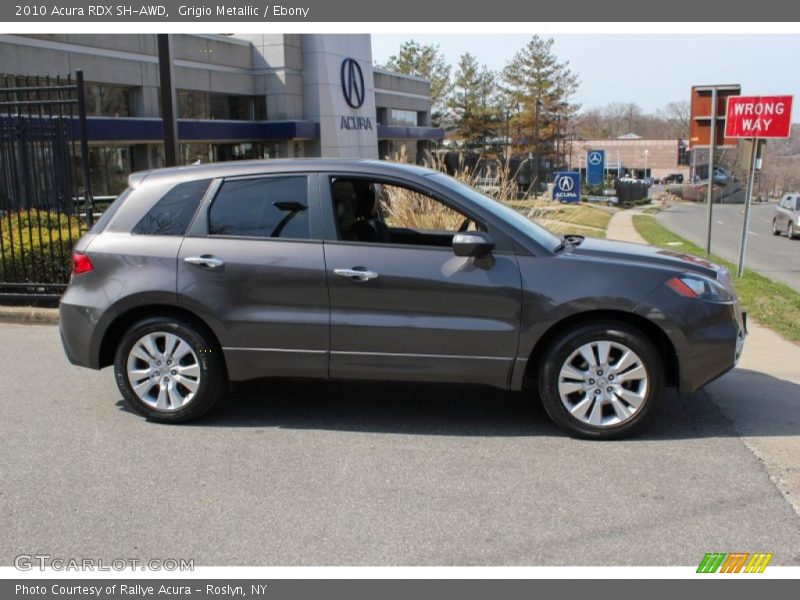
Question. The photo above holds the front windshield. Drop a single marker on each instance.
(507, 214)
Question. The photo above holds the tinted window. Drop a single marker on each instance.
(797, 204)
(109, 213)
(172, 214)
(274, 207)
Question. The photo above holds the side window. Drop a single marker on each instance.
(269, 207)
(367, 211)
(172, 214)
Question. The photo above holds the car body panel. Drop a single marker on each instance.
(428, 315)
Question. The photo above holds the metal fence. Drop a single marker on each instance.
(45, 195)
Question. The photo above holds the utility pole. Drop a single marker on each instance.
(169, 108)
(710, 194)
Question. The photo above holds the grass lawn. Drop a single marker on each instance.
(582, 219)
(771, 304)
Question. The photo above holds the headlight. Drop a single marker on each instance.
(698, 287)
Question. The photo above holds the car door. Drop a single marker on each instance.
(782, 212)
(252, 266)
(402, 310)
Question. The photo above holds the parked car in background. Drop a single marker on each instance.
(786, 218)
(673, 178)
(357, 269)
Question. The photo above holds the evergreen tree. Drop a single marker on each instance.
(424, 61)
(474, 112)
(536, 77)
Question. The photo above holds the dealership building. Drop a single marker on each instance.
(636, 156)
(238, 97)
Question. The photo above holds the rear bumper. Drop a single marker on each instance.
(77, 324)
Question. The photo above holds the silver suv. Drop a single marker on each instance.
(787, 216)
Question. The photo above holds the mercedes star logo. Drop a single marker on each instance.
(352, 83)
(595, 158)
(565, 183)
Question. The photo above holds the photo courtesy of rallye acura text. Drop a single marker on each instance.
(358, 269)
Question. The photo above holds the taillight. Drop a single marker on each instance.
(81, 263)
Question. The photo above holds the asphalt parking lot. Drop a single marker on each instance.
(777, 257)
(290, 473)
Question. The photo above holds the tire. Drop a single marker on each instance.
(790, 232)
(624, 404)
(195, 381)
(775, 230)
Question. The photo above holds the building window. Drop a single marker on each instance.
(193, 105)
(683, 154)
(401, 118)
(108, 100)
(204, 105)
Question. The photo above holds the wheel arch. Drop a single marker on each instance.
(664, 345)
(117, 328)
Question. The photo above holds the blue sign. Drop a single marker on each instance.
(595, 166)
(567, 186)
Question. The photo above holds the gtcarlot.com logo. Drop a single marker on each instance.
(28, 562)
(734, 562)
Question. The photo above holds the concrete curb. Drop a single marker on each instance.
(28, 315)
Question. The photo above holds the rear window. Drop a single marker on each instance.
(270, 207)
(104, 219)
(172, 214)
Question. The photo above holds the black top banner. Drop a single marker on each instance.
(55, 11)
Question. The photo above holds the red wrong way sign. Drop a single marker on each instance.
(758, 117)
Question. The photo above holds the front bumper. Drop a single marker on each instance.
(708, 337)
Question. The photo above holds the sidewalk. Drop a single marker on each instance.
(761, 397)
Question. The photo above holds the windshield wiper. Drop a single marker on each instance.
(569, 239)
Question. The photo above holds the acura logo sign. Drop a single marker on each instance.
(565, 183)
(352, 83)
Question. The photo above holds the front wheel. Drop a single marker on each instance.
(775, 230)
(601, 380)
(169, 370)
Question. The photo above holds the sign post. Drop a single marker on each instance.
(756, 118)
(704, 131)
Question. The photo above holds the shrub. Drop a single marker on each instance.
(36, 246)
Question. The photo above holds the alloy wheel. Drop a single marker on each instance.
(163, 371)
(603, 383)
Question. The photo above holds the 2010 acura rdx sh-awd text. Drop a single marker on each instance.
(355, 269)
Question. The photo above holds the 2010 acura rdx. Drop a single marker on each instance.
(354, 269)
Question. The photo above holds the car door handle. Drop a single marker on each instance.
(211, 262)
(356, 274)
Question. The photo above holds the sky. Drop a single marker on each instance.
(650, 70)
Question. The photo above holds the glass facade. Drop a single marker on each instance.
(398, 118)
(108, 100)
(194, 104)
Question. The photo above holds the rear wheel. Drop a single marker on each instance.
(169, 370)
(790, 231)
(601, 380)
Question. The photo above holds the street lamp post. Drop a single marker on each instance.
(646, 154)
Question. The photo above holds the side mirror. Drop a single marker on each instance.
(472, 243)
